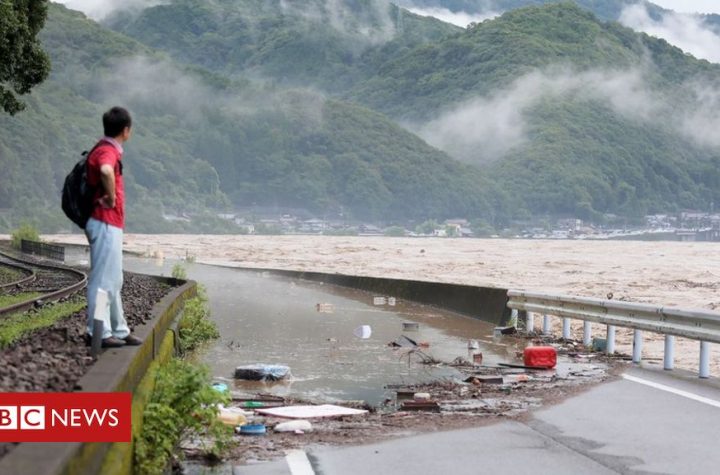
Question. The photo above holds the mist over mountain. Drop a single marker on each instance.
(205, 143)
(366, 110)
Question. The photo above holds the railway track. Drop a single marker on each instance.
(51, 281)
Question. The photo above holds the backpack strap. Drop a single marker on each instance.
(86, 154)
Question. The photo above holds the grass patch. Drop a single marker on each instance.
(27, 232)
(6, 300)
(8, 274)
(15, 326)
(195, 327)
(183, 405)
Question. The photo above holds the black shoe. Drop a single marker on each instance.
(132, 340)
(112, 342)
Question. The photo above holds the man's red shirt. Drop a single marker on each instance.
(107, 153)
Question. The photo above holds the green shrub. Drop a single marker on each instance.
(183, 404)
(179, 272)
(195, 327)
(27, 232)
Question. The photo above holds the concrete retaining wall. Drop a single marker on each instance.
(129, 369)
(485, 303)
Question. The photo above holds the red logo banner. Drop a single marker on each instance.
(65, 417)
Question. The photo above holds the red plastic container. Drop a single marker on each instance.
(540, 356)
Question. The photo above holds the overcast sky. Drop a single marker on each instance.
(692, 6)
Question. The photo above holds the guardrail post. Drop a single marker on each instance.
(704, 359)
(637, 346)
(566, 328)
(587, 333)
(529, 322)
(610, 349)
(669, 352)
(546, 324)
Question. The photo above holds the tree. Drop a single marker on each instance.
(24, 63)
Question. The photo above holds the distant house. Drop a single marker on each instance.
(686, 236)
(458, 222)
(369, 230)
(314, 225)
(570, 224)
(175, 218)
(466, 232)
(440, 233)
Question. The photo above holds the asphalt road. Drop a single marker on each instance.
(649, 421)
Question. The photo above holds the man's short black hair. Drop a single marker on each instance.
(115, 120)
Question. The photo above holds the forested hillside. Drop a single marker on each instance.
(204, 143)
(366, 110)
(300, 43)
(536, 98)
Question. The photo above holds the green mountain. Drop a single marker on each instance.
(578, 152)
(319, 43)
(297, 104)
(584, 151)
(204, 142)
(494, 53)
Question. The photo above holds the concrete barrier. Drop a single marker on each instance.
(485, 303)
(129, 369)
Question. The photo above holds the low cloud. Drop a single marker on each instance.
(101, 9)
(686, 31)
(701, 122)
(161, 85)
(459, 18)
(486, 128)
(370, 20)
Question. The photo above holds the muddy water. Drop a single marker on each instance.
(275, 320)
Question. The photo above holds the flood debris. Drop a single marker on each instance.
(411, 326)
(403, 342)
(485, 379)
(540, 356)
(251, 429)
(505, 331)
(363, 331)
(310, 412)
(262, 372)
(325, 308)
(420, 406)
(232, 416)
(298, 427)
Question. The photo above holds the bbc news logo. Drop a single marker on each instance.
(65, 417)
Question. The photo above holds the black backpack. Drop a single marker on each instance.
(77, 194)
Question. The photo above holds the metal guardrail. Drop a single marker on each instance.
(51, 251)
(670, 321)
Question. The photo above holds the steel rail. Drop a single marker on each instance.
(28, 278)
(50, 296)
(700, 325)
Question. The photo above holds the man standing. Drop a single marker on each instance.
(104, 229)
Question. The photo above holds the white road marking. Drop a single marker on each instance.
(298, 463)
(670, 389)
